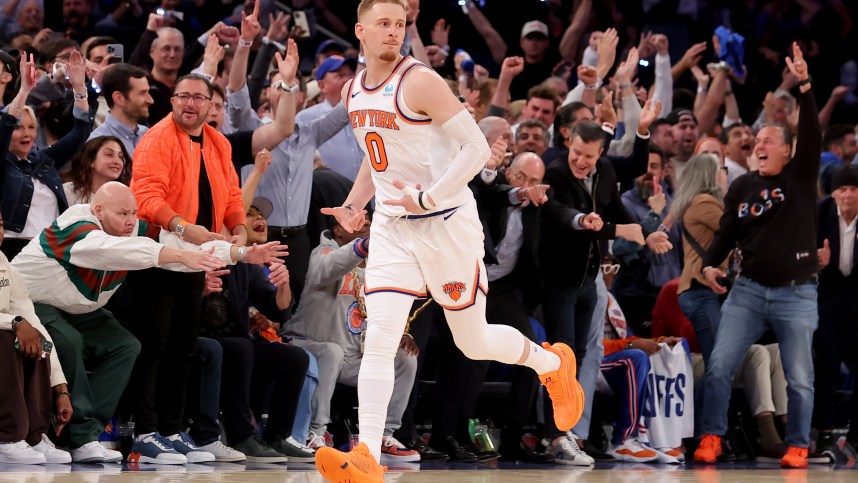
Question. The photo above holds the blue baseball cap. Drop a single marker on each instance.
(327, 45)
(333, 63)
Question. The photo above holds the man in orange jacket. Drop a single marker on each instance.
(184, 182)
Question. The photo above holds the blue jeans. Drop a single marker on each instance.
(588, 371)
(702, 307)
(750, 310)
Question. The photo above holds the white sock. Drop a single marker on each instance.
(541, 360)
(141, 437)
(373, 396)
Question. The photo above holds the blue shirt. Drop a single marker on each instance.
(288, 181)
(113, 127)
(341, 153)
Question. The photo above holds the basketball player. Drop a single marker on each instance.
(416, 136)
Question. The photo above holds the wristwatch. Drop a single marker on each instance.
(16, 322)
(242, 253)
(282, 85)
(180, 228)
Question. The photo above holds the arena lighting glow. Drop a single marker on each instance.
(644, 63)
(464, 5)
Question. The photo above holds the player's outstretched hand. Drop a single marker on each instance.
(350, 219)
(411, 198)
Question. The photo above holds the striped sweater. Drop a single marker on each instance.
(75, 266)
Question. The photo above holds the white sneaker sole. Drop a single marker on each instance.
(59, 459)
(33, 460)
(575, 462)
(229, 459)
(162, 461)
(200, 457)
(632, 459)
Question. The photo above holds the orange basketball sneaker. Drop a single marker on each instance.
(356, 466)
(567, 397)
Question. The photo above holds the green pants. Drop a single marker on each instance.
(96, 343)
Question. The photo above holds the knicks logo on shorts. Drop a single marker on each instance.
(355, 322)
(454, 290)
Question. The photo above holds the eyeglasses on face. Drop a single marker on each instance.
(610, 268)
(521, 176)
(184, 98)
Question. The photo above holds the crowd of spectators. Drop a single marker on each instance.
(663, 188)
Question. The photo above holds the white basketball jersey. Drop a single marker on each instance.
(401, 144)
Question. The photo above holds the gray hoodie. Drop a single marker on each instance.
(329, 310)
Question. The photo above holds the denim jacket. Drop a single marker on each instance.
(16, 175)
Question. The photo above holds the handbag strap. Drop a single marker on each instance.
(693, 242)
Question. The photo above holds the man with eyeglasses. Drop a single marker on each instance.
(510, 214)
(185, 183)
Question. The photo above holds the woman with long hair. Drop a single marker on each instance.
(699, 203)
(102, 159)
(31, 197)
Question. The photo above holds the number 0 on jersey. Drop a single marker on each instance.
(375, 148)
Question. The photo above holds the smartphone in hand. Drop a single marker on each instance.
(299, 19)
(118, 51)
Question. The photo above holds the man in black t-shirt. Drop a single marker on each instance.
(770, 215)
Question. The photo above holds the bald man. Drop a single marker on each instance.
(71, 271)
(510, 216)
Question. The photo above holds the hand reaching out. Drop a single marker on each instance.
(606, 109)
(646, 46)
(535, 195)
(270, 252)
(661, 44)
(797, 65)
(250, 27)
(498, 153)
(587, 75)
(288, 64)
(592, 221)
(350, 219)
(701, 77)
(262, 161)
(692, 56)
(511, 67)
(649, 113)
(441, 33)
(28, 74)
(213, 55)
(76, 68)
(658, 242)
(278, 274)
(214, 282)
(277, 26)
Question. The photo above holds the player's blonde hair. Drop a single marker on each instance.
(365, 5)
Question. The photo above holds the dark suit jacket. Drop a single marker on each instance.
(833, 286)
(492, 206)
(569, 256)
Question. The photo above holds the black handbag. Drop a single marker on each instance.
(216, 318)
